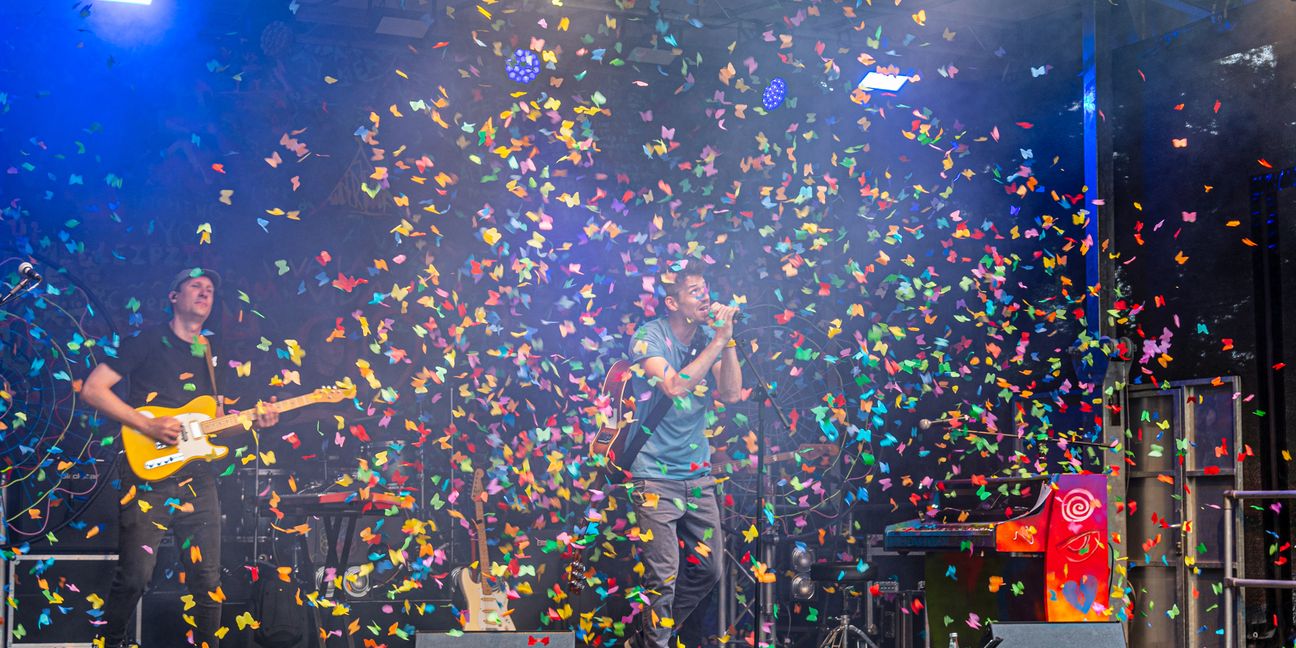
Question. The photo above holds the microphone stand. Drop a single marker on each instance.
(764, 591)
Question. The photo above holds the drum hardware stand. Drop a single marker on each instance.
(764, 616)
(840, 636)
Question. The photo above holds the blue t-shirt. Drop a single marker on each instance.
(678, 448)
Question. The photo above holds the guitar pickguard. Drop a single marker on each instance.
(193, 445)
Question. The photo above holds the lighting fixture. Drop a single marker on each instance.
(879, 81)
(774, 94)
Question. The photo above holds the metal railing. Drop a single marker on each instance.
(1231, 583)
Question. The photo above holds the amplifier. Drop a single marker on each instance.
(495, 640)
(79, 508)
(59, 614)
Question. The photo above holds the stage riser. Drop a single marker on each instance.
(88, 573)
(1034, 635)
(496, 640)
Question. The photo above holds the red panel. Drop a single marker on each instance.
(1077, 566)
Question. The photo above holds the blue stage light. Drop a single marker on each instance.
(134, 2)
(523, 66)
(775, 93)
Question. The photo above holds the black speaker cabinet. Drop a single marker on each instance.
(1090, 634)
(61, 613)
(496, 640)
(80, 508)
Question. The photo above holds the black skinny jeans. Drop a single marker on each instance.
(188, 506)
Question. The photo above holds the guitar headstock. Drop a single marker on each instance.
(334, 394)
(477, 485)
(574, 569)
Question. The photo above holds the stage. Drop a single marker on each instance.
(636, 323)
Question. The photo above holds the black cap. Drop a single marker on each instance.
(190, 273)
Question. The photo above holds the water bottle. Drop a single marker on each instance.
(953, 642)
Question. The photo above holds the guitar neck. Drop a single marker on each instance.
(808, 454)
(228, 421)
(774, 458)
(483, 562)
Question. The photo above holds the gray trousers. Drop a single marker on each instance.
(683, 558)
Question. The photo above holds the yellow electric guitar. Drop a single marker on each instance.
(152, 460)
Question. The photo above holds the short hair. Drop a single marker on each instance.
(673, 282)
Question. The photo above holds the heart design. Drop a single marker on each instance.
(1081, 595)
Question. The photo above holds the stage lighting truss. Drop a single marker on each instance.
(802, 586)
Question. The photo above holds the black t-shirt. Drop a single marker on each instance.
(173, 371)
(159, 362)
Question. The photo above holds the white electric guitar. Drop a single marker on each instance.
(487, 609)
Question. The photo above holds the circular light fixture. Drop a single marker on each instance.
(774, 94)
(356, 583)
(802, 558)
(523, 66)
(803, 588)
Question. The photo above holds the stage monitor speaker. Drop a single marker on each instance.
(495, 640)
(80, 507)
(1090, 634)
(69, 579)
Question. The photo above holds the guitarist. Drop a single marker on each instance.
(673, 491)
(168, 366)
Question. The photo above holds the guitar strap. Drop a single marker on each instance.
(211, 375)
(657, 413)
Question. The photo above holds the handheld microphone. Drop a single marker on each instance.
(924, 424)
(28, 271)
(741, 317)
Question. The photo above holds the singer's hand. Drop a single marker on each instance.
(722, 320)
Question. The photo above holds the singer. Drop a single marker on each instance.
(672, 490)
